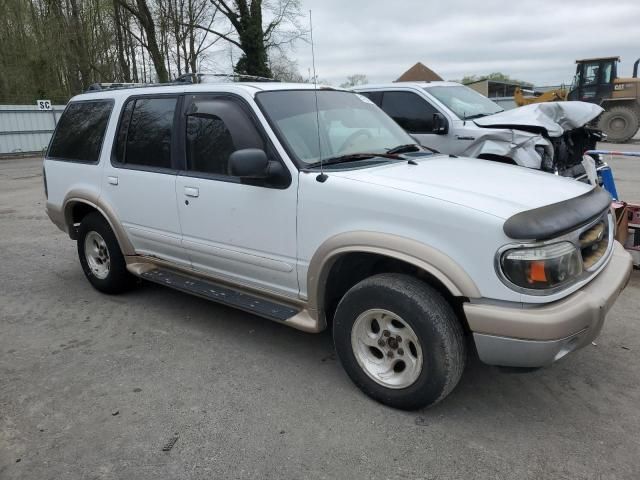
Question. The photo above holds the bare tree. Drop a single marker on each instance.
(250, 34)
(355, 80)
(192, 22)
(283, 68)
(141, 11)
(57, 48)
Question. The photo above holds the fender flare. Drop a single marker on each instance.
(422, 256)
(92, 199)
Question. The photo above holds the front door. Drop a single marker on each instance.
(415, 115)
(140, 180)
(239, 230)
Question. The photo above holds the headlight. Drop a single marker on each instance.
(542, 267)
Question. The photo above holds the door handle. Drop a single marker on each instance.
(191, 191)
(112, 180)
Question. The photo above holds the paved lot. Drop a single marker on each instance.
(626, 169)
(93, 386)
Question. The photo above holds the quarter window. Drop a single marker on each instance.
(144, 136)
(217, 127)
(80, 131)
(375, 97)
(410, 111)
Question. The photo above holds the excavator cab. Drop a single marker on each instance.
(594, 80)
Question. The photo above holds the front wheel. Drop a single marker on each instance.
(399, 341)
(620, 123)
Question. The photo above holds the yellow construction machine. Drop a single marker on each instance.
(597, 81)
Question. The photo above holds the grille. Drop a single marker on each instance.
(594, 243)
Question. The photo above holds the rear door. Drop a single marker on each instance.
(140, 181)
(240, 230)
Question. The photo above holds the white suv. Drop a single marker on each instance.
(219, 190)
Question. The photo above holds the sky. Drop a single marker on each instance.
(536, 41)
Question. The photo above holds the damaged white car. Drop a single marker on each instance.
(454, 119)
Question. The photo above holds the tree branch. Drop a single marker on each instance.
(227, 12)
(221, 35)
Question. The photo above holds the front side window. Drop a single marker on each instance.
(344, 123)
(591, 71)
(411, 112)
(215, 128)
(144, 136)
(606, 73)
(80, 131)
(465, 102)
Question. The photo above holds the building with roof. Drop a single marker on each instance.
(419, 73)
(496, 88)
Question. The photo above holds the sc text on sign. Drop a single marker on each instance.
(44, 104)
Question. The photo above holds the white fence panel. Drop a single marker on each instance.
(25, 128)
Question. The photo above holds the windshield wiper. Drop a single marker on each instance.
(351, 157)
(477, 115)
(406, 148)
(480, 115)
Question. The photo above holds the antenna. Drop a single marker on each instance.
(322, 177)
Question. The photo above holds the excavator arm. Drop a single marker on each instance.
(556, 95)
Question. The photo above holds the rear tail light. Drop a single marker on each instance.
(44, 179)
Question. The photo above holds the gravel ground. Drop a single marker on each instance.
(94, 386)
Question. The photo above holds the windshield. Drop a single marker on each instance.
(349, 123)
(464, 101)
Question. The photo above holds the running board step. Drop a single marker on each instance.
(218, 293)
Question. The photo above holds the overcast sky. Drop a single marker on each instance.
(536, 41)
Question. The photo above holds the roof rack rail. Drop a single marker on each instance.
(121, 85)
(113, 85)
(200, 77)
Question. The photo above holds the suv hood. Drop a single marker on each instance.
(494, 188)
(552, 117)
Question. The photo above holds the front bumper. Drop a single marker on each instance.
(540, 335)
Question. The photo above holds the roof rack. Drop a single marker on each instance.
(114, 85)
(118, 85)
(200, 77)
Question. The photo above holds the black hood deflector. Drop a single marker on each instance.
(558, 218)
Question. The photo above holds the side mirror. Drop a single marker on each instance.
(249, 163)
(440, 124)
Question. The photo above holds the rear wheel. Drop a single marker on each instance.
(399, 341)
(620, 123)
(100, 256)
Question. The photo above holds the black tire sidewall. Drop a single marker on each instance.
(426, 323)
(118, 279)
(629, 117)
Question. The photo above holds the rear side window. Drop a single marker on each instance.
(80, 131)
(144, 135)
(410, 111)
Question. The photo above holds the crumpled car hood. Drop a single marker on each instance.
(554, 117)
(511, 143)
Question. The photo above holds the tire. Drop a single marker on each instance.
(103, 264)
(619, 123)
(392, 300)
